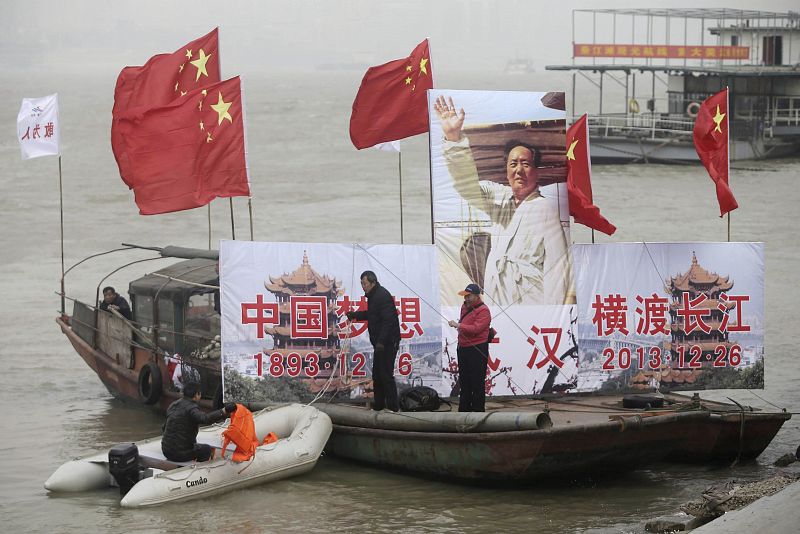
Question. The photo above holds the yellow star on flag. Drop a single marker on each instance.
(188, 54)
(718, 120)
(408, 81)
(176, 86)
(200, 63)
(409, 68)
(209, 138)
(221, 107)
(202, 126)
(571, 150)
(423, 65)
(183, 93)
(180, 69)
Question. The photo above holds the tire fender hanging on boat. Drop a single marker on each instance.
(693, 109)
(149, 383)
(633, 106)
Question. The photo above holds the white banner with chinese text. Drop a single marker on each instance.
(37, 127)
(670, 316)
(284, 332)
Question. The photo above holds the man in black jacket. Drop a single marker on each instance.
(114, 301)
(384, 334)
(179, 441)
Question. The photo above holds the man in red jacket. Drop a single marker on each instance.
(473, 349)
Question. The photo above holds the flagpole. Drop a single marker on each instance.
(233, 228)
(209, 225)
(400, 174)
(430, 163)
(250, 209)
(430, 180)
(592, 235)
(729, 227)
(728, 110)
(61, 208)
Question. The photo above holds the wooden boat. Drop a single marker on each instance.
(175, 327)
(585, 435)
(302, 432)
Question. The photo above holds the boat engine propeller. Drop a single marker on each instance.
(124, 466)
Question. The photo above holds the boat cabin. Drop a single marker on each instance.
(178, 306)
(175, 328)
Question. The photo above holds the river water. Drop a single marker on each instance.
(310, 184)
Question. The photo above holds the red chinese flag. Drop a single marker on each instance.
(711, 142)
(579, 180)
(391, 103)
(162, 79)
(186, 153)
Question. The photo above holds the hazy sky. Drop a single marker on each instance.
(262, 36)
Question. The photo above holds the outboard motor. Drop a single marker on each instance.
(123, 464)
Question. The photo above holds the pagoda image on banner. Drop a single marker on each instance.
(696, 284)
(305, 281)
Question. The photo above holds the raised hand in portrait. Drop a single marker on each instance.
(451, 121)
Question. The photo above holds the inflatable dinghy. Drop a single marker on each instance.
(146, 478)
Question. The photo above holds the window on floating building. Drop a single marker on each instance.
(772, 51)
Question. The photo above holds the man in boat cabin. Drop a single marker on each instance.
(383, 325)
(528, 262)
(113, 301)
(179, 439)
(473, 350)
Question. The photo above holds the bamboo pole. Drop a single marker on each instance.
(233, 228)
(250, 210)
(61, 209)
(400, 174)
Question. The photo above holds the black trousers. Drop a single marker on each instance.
(200, 452)
(472, 363)
(383, 385)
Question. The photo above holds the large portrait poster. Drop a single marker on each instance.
(285, 336)
(501, 221)
(670, 316)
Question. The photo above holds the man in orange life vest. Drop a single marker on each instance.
(473, 349)
(179, 441)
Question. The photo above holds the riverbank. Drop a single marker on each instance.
(777, 513)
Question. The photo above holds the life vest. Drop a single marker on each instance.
(242, 432)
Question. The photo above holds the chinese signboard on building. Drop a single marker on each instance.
(661, 51)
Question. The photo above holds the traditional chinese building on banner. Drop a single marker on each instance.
(642, 328)
(699, 316)
(307, 311)
(284, 332)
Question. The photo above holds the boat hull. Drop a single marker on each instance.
(121, 381)
(644, 150)
(578, 444)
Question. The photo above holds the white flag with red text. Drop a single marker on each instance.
(38, 128)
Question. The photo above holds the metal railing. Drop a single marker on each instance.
(645, 125)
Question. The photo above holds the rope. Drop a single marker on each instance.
(768, 402)
(741, 432)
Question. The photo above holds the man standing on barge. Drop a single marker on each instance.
(384, 334)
